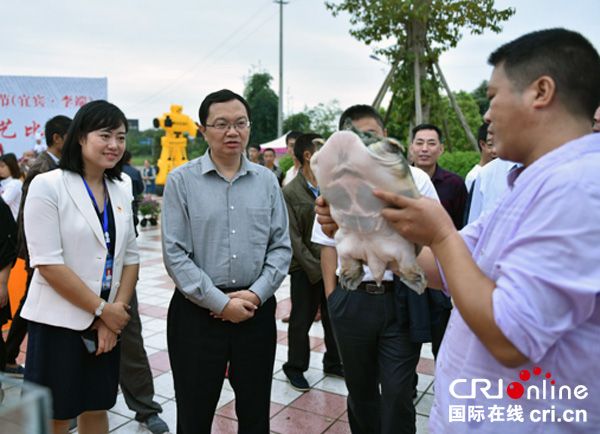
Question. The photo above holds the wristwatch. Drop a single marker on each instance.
(99, 309)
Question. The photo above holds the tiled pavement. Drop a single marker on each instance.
(321, 410)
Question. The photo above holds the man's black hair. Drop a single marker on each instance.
(56, 125)
(359, 111)
(255, 146)
(565, 56)
(422, 127)
(292, 135)
(95, 115)
(269, 150)
(304, 142)
(223, 95)
(482, 135)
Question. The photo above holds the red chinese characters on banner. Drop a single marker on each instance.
(75, 100)
(4, 127)
(32, 129)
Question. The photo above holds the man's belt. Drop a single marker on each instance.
(371, 287)
(228, 290)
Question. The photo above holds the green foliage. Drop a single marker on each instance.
(407, 27)
(285, 163)
(459, 161)
(142, 143)
(456, 138)
(480, 95)
(324, 118)
(263, 102)
(297, 122)
(196, 147)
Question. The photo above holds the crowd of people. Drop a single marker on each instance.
(510, 256)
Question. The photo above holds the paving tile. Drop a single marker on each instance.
(282, 393)
(424, 404)
(339, 427)
(284, 307)
(422, 424)
(313, 376)
(160, 361)
(295, 421)
(228, 410)
(158, 341)
(425, 382)
(426, 366)
(163, 385)
(223, 425)
(320, 402)
(333, 385)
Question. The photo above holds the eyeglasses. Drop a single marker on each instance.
(238, 125)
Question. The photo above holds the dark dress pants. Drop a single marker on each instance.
(376, 351)
(135, 377)
(306, 299)
(200, 348)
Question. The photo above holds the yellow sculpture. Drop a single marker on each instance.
(178, 128)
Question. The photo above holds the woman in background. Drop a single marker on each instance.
(82, 245)
(10, 182)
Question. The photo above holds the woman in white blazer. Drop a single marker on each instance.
(81, 242)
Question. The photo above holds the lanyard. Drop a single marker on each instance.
(104, 212)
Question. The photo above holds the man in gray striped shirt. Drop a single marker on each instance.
(226, 246)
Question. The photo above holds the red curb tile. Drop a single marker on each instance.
(153, 311)
(344, 417)
(315, 342)
(223, 425)
(295, 421)
(339, 427)
(228, 410)
(320, 348)
(160, 361)
(324, 403)
(156, 372)
(284, 307)
(426, 366)
(281, 335)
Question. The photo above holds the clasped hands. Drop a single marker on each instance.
(240, 307)
(109, 325)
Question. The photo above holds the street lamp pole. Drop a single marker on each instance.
(280, 108)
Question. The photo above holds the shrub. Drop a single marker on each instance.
(459, 162)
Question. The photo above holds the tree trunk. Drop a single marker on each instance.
(457, 110)
(416, 37)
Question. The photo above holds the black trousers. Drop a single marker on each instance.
(379, 361)
(200, 348)
(306, 299)
(135, 376)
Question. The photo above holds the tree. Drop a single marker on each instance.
(297, 122)
(456, 138)
(420, 30)
(324, 117)
(480, 95)
(263, 102)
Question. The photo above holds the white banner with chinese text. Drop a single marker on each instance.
(26, 103)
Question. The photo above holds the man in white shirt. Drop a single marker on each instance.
(377, 352)
(487, 151)
(290, 141)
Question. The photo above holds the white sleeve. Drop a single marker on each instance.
(423, 183)
(319, 237)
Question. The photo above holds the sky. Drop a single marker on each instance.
(157, 53)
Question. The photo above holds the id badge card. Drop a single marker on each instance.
(107, 277)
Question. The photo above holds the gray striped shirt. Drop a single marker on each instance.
(224, 233)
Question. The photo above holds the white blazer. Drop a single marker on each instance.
(62, 227)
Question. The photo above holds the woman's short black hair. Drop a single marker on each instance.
(93, 116)
(11, 161)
